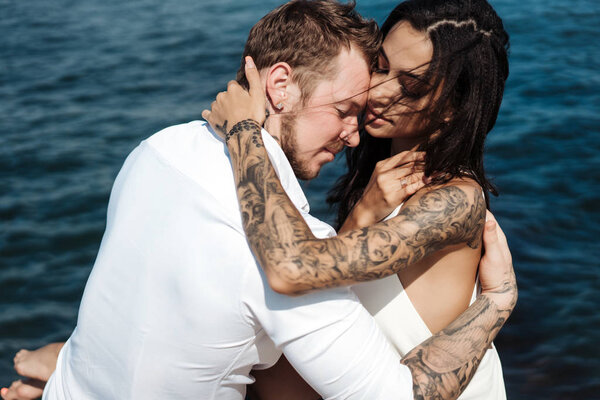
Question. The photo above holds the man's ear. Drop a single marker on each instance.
(280, 88)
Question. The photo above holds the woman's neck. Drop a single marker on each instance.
(400, 144)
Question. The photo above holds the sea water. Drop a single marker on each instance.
(83, 82)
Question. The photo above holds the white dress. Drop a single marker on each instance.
(395, 314)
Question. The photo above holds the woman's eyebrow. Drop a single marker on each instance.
(406, 72)
(382, 52)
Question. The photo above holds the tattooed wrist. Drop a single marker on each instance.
(247, 125)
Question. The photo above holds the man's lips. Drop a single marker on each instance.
(335, 148)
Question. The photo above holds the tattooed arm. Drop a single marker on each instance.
(443, 365)
(296, 261)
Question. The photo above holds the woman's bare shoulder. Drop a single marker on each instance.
(440, 286)
(456, 207)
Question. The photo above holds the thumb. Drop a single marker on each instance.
(490, 236)
(253, 77)
(491, 243)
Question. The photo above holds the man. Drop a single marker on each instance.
(176, 306)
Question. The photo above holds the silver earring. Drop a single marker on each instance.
(279, 106)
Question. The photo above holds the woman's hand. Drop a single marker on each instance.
(392, 182)
(236, 104)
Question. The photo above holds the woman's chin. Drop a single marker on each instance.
(383, 130)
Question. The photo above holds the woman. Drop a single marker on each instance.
(437, 88)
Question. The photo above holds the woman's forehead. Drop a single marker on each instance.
(406, 48)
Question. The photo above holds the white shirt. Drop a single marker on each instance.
(176, 306)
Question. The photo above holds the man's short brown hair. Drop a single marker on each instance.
(308, 35)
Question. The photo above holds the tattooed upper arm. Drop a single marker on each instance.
(447, 215)
(430, 221)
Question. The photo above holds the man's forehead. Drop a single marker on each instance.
(349, 84)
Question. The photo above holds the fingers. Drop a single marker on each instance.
(398, 190)
(236, 104)
(255, 85)
(405, 170)
(416, 182)
(208, 114)
(232, 85)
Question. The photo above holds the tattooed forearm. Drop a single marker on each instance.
(443, 365)
(290, 254)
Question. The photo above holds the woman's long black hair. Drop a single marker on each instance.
(467, 73)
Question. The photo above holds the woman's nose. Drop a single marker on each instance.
(380, 91)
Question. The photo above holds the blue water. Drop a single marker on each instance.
(82, 82)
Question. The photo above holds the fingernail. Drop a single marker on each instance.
(3, 391)
(250, 62)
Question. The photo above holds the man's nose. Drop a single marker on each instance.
(350, 138)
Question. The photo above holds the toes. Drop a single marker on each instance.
(23, 390)
(11, 392)
(19, 368)
(30, 389)
(20, 354)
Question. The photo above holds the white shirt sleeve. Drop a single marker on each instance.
(331, 340)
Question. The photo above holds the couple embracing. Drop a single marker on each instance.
(191, 298)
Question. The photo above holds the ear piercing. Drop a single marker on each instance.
(279, 105)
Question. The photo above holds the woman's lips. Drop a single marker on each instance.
(376, 119)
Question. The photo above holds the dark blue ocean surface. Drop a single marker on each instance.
(83, 82)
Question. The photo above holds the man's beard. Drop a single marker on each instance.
(289, 145)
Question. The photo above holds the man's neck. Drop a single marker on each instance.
(273, 126)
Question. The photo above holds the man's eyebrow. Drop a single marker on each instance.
(353, 103)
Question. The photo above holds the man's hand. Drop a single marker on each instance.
(236, 104)
(496, 273)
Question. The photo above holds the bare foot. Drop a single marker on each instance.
(38, 364)
(28, 389)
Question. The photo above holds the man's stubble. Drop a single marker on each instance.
(289, 145)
